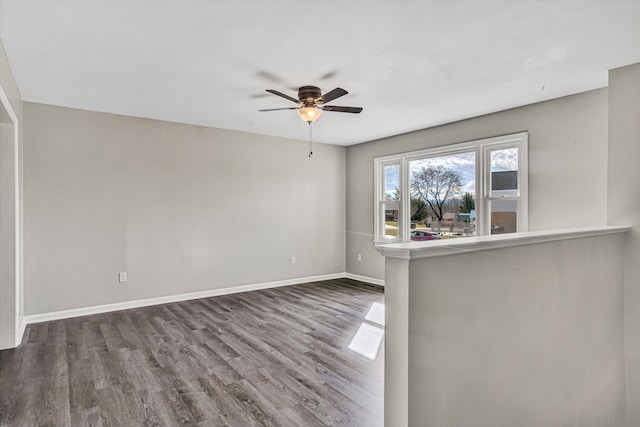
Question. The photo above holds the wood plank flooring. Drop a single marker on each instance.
(275, 357)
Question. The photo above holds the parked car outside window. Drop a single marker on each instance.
(419, 235)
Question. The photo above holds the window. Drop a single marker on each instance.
(389, 205)
(468, 189)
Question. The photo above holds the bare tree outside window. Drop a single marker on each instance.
(435, 185)
(433, 190)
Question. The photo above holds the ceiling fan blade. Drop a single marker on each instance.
(272, 77)
(278, 109)
(331, 95)
(355, 110)
(275, 92)
(329, 75)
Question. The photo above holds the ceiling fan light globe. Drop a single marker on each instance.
(309, 114)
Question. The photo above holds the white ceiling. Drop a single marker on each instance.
(409, 64)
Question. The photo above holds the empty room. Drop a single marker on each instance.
(443, 232)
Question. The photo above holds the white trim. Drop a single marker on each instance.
(379, 217)
(4, 100)
(366, 279)
(458, 147)
(105, 308)
(436, 248)
(521, 143)
(18, 215)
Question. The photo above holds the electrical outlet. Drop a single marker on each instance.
(293, 260)
(359, 257)
(122, 276)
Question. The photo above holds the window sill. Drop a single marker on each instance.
(437, 248)
(384, 242)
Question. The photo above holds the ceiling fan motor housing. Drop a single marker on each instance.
(308, 94)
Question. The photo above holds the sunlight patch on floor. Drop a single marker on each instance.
(376, 314)
(368, 337)
(367, 341)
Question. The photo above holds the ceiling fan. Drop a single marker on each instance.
(312, 102)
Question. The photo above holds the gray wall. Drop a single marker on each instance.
(624, 209)
(180, 208)
(567, 167)
(8, 209)
(497, 340)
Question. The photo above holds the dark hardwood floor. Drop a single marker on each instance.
(271, 357)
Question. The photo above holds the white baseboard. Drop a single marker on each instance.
(379, 282)
(105, 308)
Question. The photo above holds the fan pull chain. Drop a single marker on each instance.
(310, 140)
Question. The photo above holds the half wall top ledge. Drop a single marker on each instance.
(437, 248)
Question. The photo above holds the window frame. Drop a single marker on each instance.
(482, 196)
(380, 201)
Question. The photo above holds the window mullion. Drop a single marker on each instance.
(481, 192)
(405, 200)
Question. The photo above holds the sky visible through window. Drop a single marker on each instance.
(504, 160)
(464, 163)
(391, 181)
